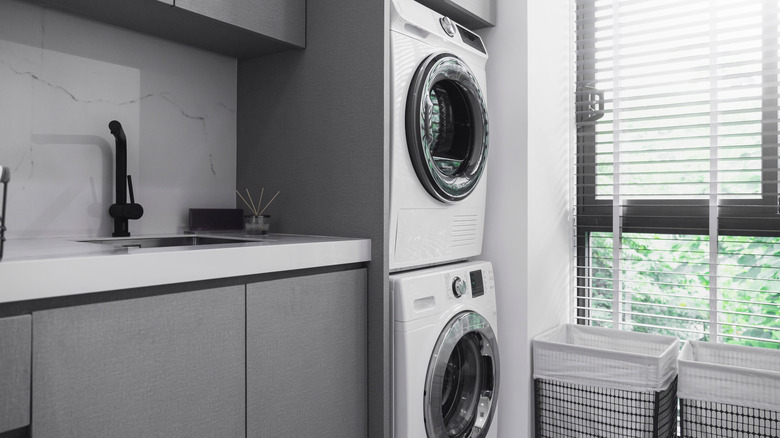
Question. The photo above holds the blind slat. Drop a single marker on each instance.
(659, 327)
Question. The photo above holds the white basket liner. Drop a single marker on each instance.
(595, 356)
(730, 374)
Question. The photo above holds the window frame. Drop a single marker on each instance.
(656, 216)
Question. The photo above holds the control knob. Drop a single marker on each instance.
(448, 26)
(458, 287)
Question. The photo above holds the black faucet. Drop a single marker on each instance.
(121, 211)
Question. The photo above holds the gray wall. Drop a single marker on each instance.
(313, 125)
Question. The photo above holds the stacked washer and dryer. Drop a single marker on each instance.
(446, 366)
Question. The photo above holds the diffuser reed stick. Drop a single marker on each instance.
(252, 203)
(269, 203)
(251, 207)
(255, 209)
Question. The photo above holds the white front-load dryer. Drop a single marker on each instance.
(446, 360)
(439, 138)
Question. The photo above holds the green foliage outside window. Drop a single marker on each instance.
(665, 286)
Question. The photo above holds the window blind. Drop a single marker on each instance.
(677, 208)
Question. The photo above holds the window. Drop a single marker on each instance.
(678, 213)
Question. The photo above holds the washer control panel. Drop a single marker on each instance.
(427, 293)
(475, 282)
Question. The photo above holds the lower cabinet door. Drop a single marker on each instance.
(15, 345)
(306, 356)
(163, 366)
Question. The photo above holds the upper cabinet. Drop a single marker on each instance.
(283, 20)
(474, 14)
(238, 28)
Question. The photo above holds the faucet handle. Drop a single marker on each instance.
(130, 189)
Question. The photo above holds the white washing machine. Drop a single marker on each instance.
(439, 138)
(446, 366)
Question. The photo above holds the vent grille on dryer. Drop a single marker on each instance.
(464, 230)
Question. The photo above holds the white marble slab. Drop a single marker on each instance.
(64, 78)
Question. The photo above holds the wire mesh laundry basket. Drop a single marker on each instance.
(596, 382)
(729, 391)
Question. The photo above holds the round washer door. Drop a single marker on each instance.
(461, 387)
(446, 127)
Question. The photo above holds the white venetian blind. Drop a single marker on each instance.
(677, 224)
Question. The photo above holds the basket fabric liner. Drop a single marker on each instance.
(730, 374)
(596, 356)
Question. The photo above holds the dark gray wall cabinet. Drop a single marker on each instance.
(162, 366)
(474, 14)
(238, 28)
(314, 124)
(15, 345)
(306, 356)
(282, 20)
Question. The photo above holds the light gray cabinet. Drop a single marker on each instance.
(238, 28)
(306, 356)
(15, 345)
(162, 366)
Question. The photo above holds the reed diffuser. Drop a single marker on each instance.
(257, 222)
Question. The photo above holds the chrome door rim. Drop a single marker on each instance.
(480, 415)
(440, 71)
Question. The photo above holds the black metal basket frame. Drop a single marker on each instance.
(570, 410)
(708, 419)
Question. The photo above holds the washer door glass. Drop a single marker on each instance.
(461, 387)
(447, 127)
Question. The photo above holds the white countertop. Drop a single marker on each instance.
(51, 267)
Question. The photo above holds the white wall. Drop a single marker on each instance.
(64, 78)
(528, 229)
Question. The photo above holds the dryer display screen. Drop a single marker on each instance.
(477, 288)
(471, 39)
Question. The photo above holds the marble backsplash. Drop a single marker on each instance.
(64, 78)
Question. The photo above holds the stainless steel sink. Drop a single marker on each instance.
(168, 241)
